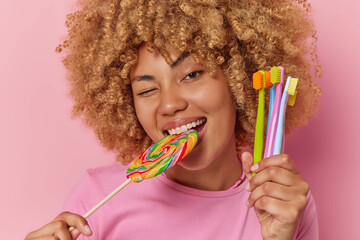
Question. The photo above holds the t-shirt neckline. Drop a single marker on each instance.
(201, 193)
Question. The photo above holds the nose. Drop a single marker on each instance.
(172, 102)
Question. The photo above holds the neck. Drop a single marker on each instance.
(220, 175)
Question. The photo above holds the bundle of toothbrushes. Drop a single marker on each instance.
(280, 97)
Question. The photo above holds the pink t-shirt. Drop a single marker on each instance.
(159, 208)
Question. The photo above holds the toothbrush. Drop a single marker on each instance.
(291, 102)
(292, 97)
(290, 85)
(277, 76)
(259, 79)
(271, 105)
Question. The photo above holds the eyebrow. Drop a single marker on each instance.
(180, 59)
(173, 65)
(142, 78)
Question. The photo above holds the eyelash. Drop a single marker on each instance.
(198, 73)
(144, 92)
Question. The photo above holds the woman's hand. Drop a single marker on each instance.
(59, 228)
(278, 195)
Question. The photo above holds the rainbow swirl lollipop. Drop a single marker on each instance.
(162, 155)
(155, 160)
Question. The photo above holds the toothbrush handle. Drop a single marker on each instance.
(259, 129)
(281, 118)
(273, 123)
(102, 202)
(271, 106)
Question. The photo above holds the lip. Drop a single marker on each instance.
(179, 122)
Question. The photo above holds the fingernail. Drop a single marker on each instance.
(247, 187)
(247, 203)
(87, 230)
(254, 167)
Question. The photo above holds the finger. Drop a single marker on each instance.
(272, 190)
(280, 160)
(50, 229)
(282, 211)
(44, 238)
(247, 162)
(75, 233)
(61, 224)
(62, 230)
(76, 221)
(272, 174)
(281, 176)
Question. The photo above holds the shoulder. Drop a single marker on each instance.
(107, 172)
(113, 167)
(310, 209)
(104, 177)
(93, 186)
(308, 226)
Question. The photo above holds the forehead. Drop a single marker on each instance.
(147, 59)
(145, 54)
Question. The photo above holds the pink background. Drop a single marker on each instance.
(44, 152)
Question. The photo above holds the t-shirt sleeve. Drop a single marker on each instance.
(80, 200)
(308, 228)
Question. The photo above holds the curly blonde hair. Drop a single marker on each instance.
(240, 37)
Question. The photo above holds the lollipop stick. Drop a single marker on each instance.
(107, 198)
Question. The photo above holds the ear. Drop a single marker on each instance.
(247, 161)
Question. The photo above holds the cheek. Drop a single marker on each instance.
(214, 98)
(143, 114)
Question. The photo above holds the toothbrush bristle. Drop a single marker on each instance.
(268, 79)
(292, 86)
(292, 98)
(275, 75)
(258, 80)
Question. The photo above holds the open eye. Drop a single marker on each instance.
(193, 75)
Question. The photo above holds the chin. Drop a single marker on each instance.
(192, 166)
(195, 161)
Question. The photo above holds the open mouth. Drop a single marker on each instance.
(196, 125)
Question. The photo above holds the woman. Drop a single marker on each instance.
(140, 70)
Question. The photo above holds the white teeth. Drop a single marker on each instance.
(185, 127)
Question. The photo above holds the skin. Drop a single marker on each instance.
(166, 97)
(59, 228)
(277, 194)
(178, 94)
